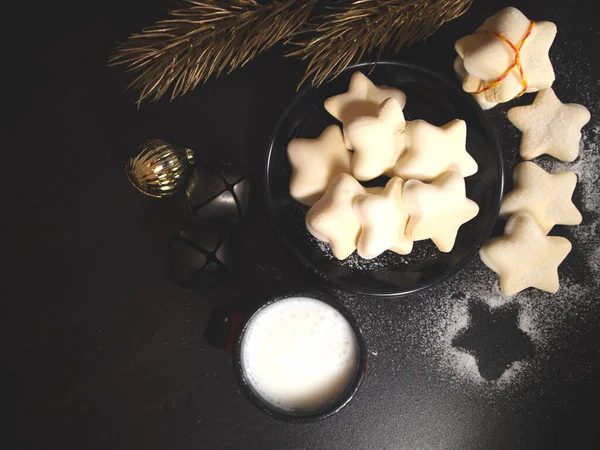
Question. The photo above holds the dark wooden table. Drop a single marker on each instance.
(109, 350)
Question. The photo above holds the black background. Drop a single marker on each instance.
(105, 351)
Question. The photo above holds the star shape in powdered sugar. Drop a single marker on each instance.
(550, 126)
(493, 338)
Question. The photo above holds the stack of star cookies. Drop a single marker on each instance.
(425, 196)
(506, 57)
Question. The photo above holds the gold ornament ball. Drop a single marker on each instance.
(159, 169)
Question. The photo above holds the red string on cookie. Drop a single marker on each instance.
(516, 63)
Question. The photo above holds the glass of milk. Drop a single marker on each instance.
(300, 357)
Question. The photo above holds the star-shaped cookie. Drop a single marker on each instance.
(547, 197)
(333, 219)
(524, 256)
(471, 84)
(362, 99)
(486, 56)
(383, 218)
(437, 210)
(430, 151)
(315, 162)
(550, 126)
(375, 140)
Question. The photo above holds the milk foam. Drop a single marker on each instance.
(299, 354)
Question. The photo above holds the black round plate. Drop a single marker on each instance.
(429, 97)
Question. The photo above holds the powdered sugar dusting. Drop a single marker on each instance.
(354, 261)
(547, 319)
(445, 318)
(586, 166)
(595, 258)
